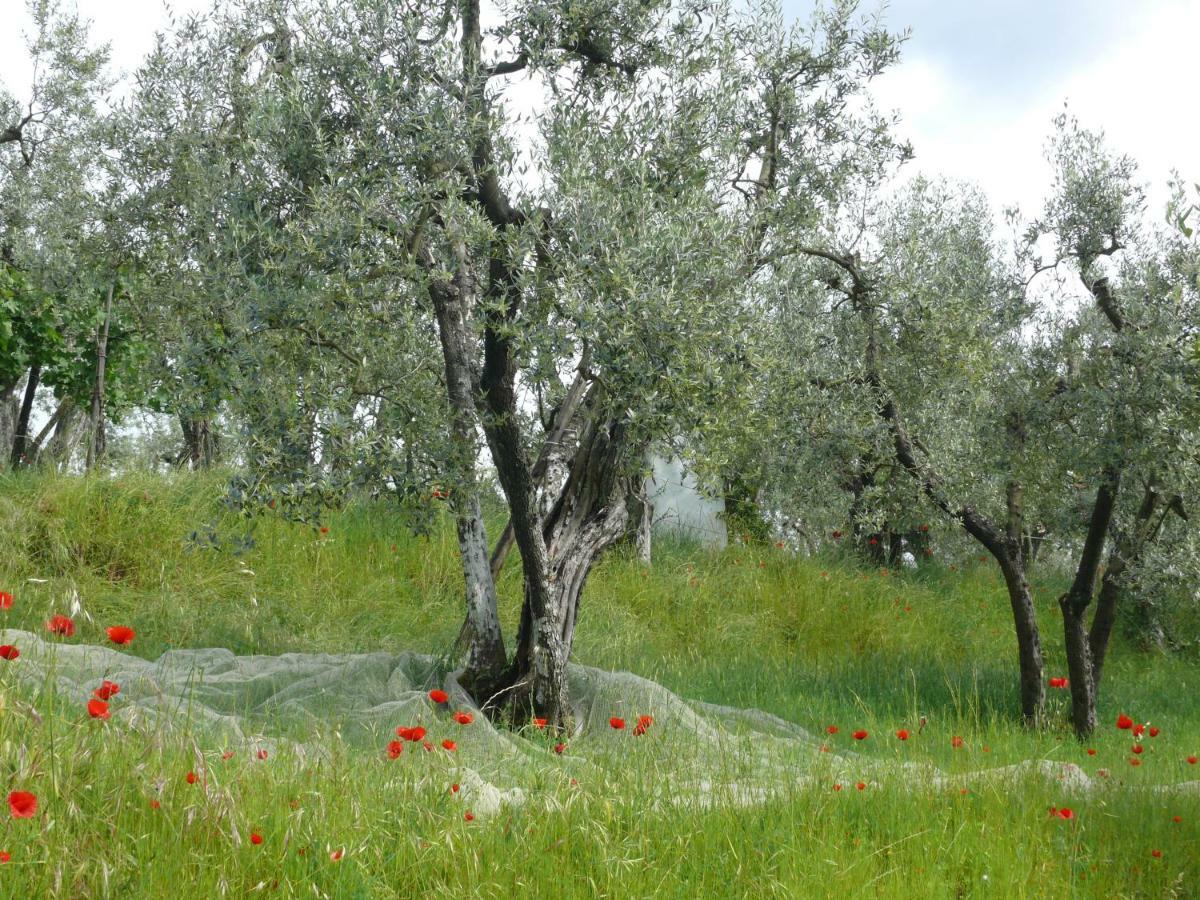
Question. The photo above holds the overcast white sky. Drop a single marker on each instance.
(979, 83)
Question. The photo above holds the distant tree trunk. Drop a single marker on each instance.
(1126, 551)
(21, 435)
(35, 448)
(1032, 542)
(66, 434)
(201, 447)
(98, 441)
(10, 411)
(641, 521)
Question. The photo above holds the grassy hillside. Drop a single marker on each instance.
(817, 642)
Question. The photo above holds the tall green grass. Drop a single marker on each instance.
(817, 641)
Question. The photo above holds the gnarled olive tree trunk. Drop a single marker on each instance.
(589, 516)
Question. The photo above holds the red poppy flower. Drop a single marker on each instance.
(1059, 682)
(1176, 819)
(1153, 731)
(540, 723)
(8, 651)
(1135, 762)
(832, 729)
(107, 690)
(469, 816)
(428, 746)
(5, 856)
(450, 745)
(454, 788)
(617, 723)
(5, 600)
(394, 749)
(902, 734)
(1065, 813)
(837, 535)
(336, 855)
(97, 709)
(924, 528)
(228, 754)
(956, 742)
(1137, 748)
(324, 529)
(643, 723)
(862, 786)
(191, 777)
(463, 718)
(837, 787)
(60, 625)
(559, 748)
(1091, 751)
(411, 734)
(1191, 760)
(860, 735)
(873, 542)
(438, 696)
(256, 838)
(1139, 729)
(154, 804)
(22, 804)
(262, 754)
(121, 634)
(1124, 722)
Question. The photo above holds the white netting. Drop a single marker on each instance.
(694, 751)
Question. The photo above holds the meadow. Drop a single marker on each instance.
(818, 642)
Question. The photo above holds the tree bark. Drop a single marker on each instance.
(21, 432)
(588, 517)
(200, 443)
(1126, 551)
(1074, 604)
(486, 656)
(66, 434)
(559, 442)
(35, 449)
(98, 441)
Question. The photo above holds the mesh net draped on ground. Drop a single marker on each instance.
(694, 751)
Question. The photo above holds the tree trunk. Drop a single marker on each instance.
(1125, 551)
(10, 411)
(66, 435)
(98, 441)
(588, 517)
(486, 657)
(35, 449)
(559, 443)
(1074, 604)
(200, 442)
(21, 433)
(642, 514)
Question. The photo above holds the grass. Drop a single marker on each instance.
(817, 642)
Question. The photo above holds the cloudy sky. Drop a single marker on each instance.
(979, 84)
